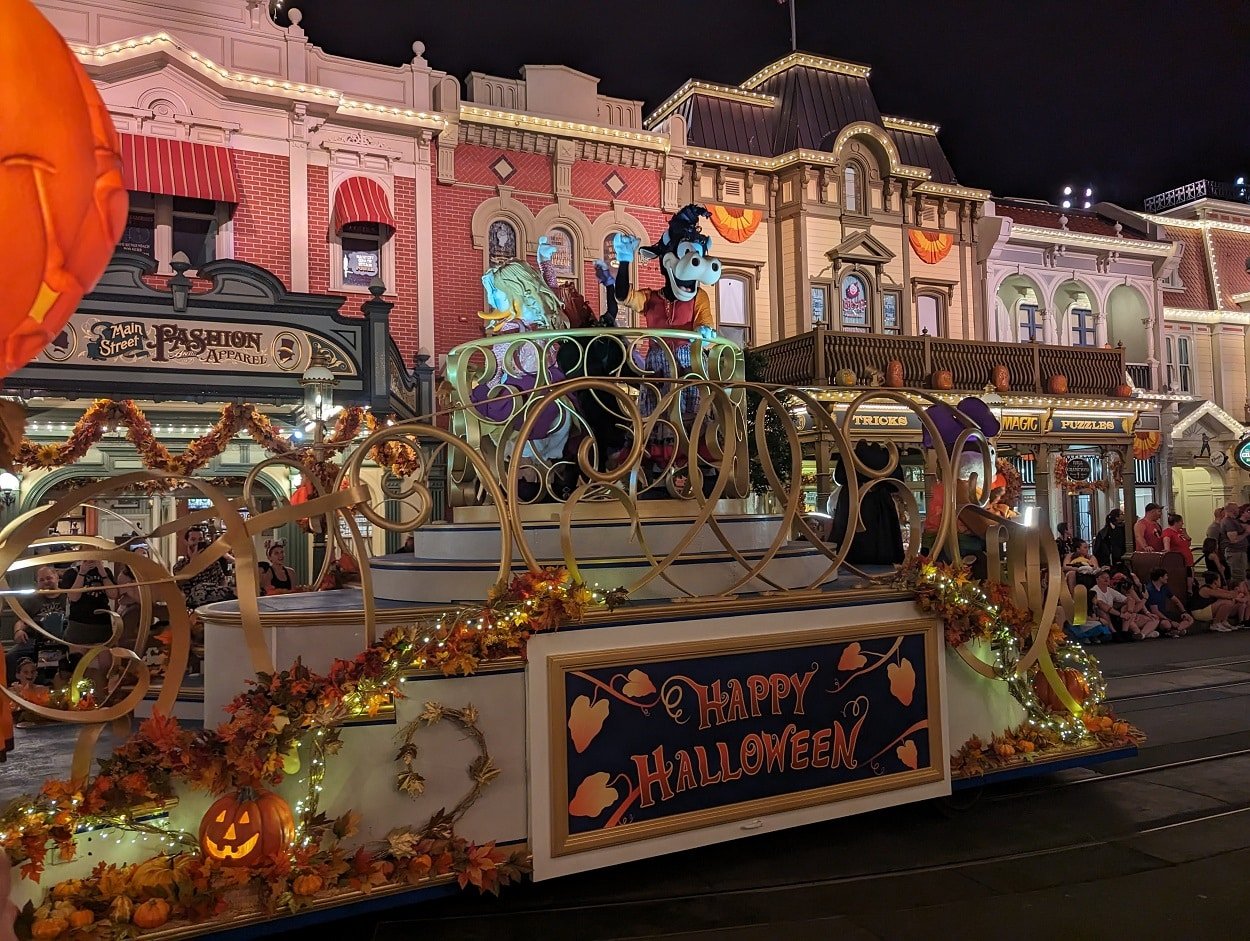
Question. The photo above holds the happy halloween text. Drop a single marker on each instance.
(661, 774)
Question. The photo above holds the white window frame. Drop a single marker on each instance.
(1184, 364)
(940, 300)
(162, 213)
(853, 168)
(748, 300)
(1169, 360)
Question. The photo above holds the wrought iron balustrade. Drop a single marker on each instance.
(817, 358)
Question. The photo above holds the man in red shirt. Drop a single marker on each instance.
(1148, 534)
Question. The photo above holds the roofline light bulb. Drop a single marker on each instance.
(1087, 204)
(1067, 191)
(1089, 191)
(1067, 204)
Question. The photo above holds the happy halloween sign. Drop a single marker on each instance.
(688, 735)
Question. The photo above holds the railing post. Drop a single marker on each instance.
(928, 356)
(1037, 367)
(818, 355)
(423, 372)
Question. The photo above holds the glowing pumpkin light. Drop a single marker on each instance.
(60, 183)
(246, 828)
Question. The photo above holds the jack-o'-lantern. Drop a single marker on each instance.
(943, 379)
(60, 183)
(1122, 391)
(1058, 384)
(246, 828)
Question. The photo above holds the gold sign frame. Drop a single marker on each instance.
(558, 666)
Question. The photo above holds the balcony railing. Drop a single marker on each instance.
(1199, 189)
(816, 358)
(1140, 375)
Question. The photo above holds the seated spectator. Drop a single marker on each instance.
(276, 577)
(1224, 608)
(207, 586)
(1135, 604)
(1080, 561)
(1063, 540)
(1108, 605)
(1174, 620)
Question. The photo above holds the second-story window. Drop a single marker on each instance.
(194, 229)
(501, 243)
(820, 305)
(929, 309)
(733, 309)
(565, 259)
(853, 188)
(162, 226)
(856, 305)
(362, 253)
(891, 319)
(1169, 357)
(1082, 326)
(1182, 359)
(1030, 324)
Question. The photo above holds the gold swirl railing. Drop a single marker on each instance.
(713, 428)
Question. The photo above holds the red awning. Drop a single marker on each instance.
(360, 199)
(178, 168)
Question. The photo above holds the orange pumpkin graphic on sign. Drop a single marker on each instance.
(60, 183)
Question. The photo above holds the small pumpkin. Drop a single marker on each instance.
(151, 914)
(846, 377)
(1026, 746)
(943, 379)
(894, 376)
(1000, 377)
(308, 884)
(67, 889)
(1122, 391)
(1058, 384)
(245, 828)
(1004, 750)
(82, 918)
(121, 910)
(49, 927)
(1120, 728)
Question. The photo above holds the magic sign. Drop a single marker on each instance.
(669, 739)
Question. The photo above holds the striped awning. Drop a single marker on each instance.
(178, 168)
(360, 199)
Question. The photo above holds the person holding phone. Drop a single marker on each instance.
(90, 588)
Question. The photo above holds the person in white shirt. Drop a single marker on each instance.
(1109, 607)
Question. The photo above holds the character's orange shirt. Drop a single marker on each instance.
(662, 314)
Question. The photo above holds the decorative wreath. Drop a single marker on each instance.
(1015, 486)
(1086, 486)
(735, 223)
(930, 247)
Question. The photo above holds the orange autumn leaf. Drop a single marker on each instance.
(852, 658)
(908, 754)
(637, 685)
(594, 795)
(902, 681)
(585, 721)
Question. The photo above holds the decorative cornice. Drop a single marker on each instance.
(535, 142)
(907, 124)
(97, 58)
(1238, 318)
(1204, 224)
(557, 128)
(794, 157)
(695, 87)
(810, 61)
(950, 189)
(1039, 233)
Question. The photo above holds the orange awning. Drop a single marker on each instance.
(360, 199)
(178, 168)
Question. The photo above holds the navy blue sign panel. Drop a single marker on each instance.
(671, 738)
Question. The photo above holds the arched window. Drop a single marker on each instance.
(501, 242)
(1082, 326)
(1030, 323)
(853, 188)
(565, 259)
(929, 314)
(733, 309)
(856, 307)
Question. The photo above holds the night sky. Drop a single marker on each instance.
(1133, 96)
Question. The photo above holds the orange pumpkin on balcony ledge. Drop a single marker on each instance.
(1122, 391)
(1057, 384)
(943, 380)
(845, 377)
(1000, 378)
(894, 377)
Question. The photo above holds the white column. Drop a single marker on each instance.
(299, 206)
(424, 188)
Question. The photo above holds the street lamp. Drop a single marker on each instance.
(318, 383)
(9, 487)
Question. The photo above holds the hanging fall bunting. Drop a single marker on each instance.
(1146, 444)
(930, 247)
(735, 223)
(60, 183)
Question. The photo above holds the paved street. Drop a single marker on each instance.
(1157, 846)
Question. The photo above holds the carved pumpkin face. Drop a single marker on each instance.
(60, 183)
(245, 828)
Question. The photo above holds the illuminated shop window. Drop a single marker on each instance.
(565, 259)
(891, 320)
(855, 306)
(820, 305)
(501, 243)
(362, 253)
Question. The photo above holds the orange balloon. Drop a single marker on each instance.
(60, 183)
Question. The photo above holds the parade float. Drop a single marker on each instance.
(605, 650)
